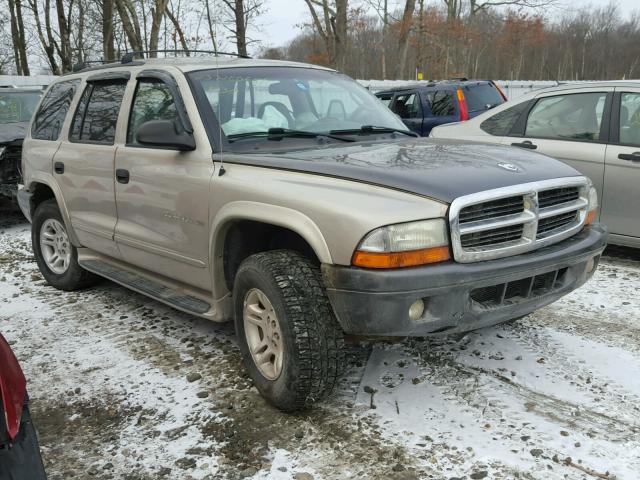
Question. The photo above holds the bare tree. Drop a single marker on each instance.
(243, 13)
(19, 38)
(108, 52)
(330, 20)
(130, 24)
(403, 37)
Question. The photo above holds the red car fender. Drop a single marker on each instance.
(13, 388)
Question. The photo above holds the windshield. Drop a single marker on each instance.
(255, 100)
(17, 107)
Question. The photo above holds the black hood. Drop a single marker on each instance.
(440, 169)
(10, 132)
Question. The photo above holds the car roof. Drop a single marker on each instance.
(586, 84)
(451, 84)
(188, 64)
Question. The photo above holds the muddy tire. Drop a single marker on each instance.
(56, 257)
(291, 343)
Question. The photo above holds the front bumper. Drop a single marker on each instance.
(461, 297)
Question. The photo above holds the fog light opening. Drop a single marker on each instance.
(416, 310)
(592, 264)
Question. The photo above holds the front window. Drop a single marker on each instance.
(17, 107)
(257, 100)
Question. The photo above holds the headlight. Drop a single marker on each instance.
(404, 245)
(592, 209)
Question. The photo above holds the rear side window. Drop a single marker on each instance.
(97, 113)
(152, 101)
(53, 110)
(407, 105)
(630, 119)
(482, 97)
(569, 117)
(501, 123)
(441, 103)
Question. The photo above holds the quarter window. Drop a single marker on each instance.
(153, 101)
(630, 119)
(441, 103)
(407, 106)
(54, 107)
(97, 113)
(502, 122)
(567, 117)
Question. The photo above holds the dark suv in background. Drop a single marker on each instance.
(17, 106)
(425, 105)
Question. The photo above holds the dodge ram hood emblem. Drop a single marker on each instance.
(509, 166)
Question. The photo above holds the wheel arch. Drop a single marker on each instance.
(245, 214)
(41, 190)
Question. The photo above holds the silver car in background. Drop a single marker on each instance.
(594, 127)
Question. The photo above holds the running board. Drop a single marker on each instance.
(141, 284)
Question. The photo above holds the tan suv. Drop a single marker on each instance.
(287, 197)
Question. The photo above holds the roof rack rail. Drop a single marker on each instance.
(87, 64)
(128, 57)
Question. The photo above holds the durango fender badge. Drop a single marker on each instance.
(509, 166)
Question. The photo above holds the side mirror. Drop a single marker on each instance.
(163, 134)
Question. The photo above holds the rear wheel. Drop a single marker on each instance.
(56, 257)
(291, 343)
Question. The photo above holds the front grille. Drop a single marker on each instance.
(491, 237)
(557, 196)
(512, 220)
(547, 226)
(521, 290)
(10, 164)
(492, 209)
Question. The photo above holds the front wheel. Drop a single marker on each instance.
(291, 343)
(56, 257)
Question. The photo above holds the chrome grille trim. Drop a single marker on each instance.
(528, 218)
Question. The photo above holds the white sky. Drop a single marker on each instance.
(281, 20)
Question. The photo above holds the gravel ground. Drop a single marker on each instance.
(123, 387)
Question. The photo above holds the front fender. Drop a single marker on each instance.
(265, 213)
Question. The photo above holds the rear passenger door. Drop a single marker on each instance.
(83, 165)
(572, 126)
(620, 201)
(162, 194)
(442, 109)
(409, 108)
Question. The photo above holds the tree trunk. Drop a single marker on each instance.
(157, 14)
(108, 52)
(340, 33)
(19, 39)
(176, 24)
(128, 24)
(212, 32)
(64, 30)
(241, 28)
(403, 37)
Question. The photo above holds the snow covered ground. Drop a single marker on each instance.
(123, 387)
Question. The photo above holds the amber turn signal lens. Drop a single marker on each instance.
(400, 259)
(591, 217)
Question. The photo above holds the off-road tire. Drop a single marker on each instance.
(314, 352)
(75, 277)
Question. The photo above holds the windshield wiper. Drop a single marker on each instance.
(279, 133)
(372, 129)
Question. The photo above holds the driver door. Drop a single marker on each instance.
(162, 195)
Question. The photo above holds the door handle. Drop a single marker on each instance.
(58, 167)
(122, 175)
(632, 157)
(525, 144)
